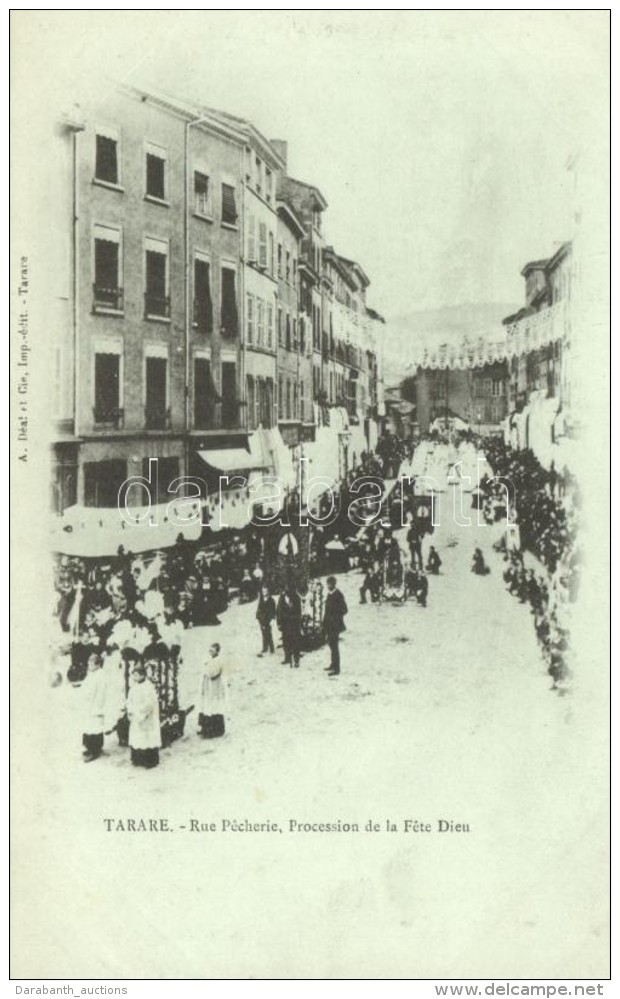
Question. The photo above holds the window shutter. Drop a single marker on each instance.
(229, 210)
(229, 302)
(203, 305)
(251, 238)
(262, 252)
(250, 318)
(270, 327)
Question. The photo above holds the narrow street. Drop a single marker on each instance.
(407, 672)
(451, 702)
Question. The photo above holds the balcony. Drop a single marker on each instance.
(157, 418)
(109, 417)
(156, 306)
(107, 299)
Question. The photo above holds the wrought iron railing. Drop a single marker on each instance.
(109, 416)
(105, 297)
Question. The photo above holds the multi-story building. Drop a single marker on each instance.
(467, 384)
(295, 411)
(309, 204)
(196, 305)
(151, 342)
(538, 345)
(262, 164)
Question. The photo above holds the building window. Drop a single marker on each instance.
(205, 394)
(268, 415)
(107, 158)
(107, 290)
(108, 389)
(229, 208)
(202, 195)
(229, 394)
(288, 398)
(272, 262)
(294, 333)
(251, 239)
(302, 401)
(250, 318)
(269, 326)
(259, 176)
(156, 298)
(262, 246)
(157, 415)
(259, 402)
(288, 332)
(302, 335)
(260, 322)
(288, 267)
(230, 318)
(203, 304)
(280, 329)
(250, 402)
(279, 260)
(268, 184)
(103, 482)
(280, 398)
(155, 172)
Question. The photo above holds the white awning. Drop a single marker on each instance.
(234, 459)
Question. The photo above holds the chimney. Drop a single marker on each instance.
(281, 148)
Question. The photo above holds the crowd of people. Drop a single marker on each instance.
(544, 525)
(547, 524)
(123, 618)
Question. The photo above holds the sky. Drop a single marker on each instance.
(439, 139)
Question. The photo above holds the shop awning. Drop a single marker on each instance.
(234, 459)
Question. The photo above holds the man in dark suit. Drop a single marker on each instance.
(265, 614)
(333, 623)
(289, 623)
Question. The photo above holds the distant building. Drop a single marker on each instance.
(468, 383)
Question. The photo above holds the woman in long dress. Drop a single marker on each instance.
(144, 724)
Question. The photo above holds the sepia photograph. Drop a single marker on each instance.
(310, 421)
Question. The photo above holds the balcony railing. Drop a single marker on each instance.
(157, 306)
(109, 416)
(106, 298)
(157, 418)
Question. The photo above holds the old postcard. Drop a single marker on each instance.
(310, 440)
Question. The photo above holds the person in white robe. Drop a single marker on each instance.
(94, 694)
(144, 723)
(212, 697)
